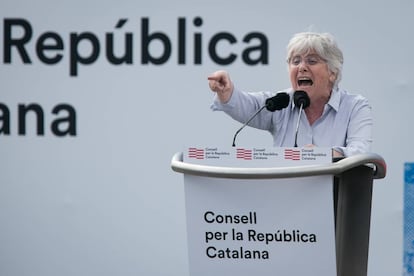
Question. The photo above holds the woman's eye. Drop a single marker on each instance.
(312, 61)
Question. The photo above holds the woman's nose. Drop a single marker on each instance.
(302, 67)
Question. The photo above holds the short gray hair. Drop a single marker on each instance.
(324, 45)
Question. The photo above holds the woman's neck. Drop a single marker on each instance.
(315, 109)
(313, 114)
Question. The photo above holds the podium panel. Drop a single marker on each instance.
(287, 213)
(260, 226)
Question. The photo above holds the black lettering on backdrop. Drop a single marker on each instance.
(63, 124)
(23, 111)
(78, 48)
(51, 47)
(147, 38)
(110, 45)
(76, 57)
(4, 119)
(58, 125)
(47, 42)
(19, 42)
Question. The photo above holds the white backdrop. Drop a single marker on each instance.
(105, 202)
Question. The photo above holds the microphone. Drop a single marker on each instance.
(301, 99)
(277, 102)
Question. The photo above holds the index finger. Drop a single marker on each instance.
(213, 78)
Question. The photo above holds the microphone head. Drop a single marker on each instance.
(301, 98)
(278, 102)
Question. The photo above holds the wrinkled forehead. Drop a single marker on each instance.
(304, 52)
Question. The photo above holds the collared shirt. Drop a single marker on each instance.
(345, 124)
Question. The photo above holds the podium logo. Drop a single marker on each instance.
(196, 153)
(291, 154)
(245, 154)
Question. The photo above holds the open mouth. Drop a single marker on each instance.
(305, 82)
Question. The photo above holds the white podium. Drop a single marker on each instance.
(279, 211)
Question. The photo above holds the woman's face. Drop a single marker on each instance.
(310, 73)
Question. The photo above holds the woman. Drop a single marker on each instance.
(334, 117)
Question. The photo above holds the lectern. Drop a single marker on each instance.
(351, 182)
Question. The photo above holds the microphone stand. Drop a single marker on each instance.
(297, 125)
(245, 124)
(278, 102)
(302, 100)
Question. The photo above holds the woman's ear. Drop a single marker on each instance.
(332, 77)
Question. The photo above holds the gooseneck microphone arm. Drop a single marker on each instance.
(246, 123)
(278, 102)
(297, 126)
(301, 99)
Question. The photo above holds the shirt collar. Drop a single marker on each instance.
(334, 99)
